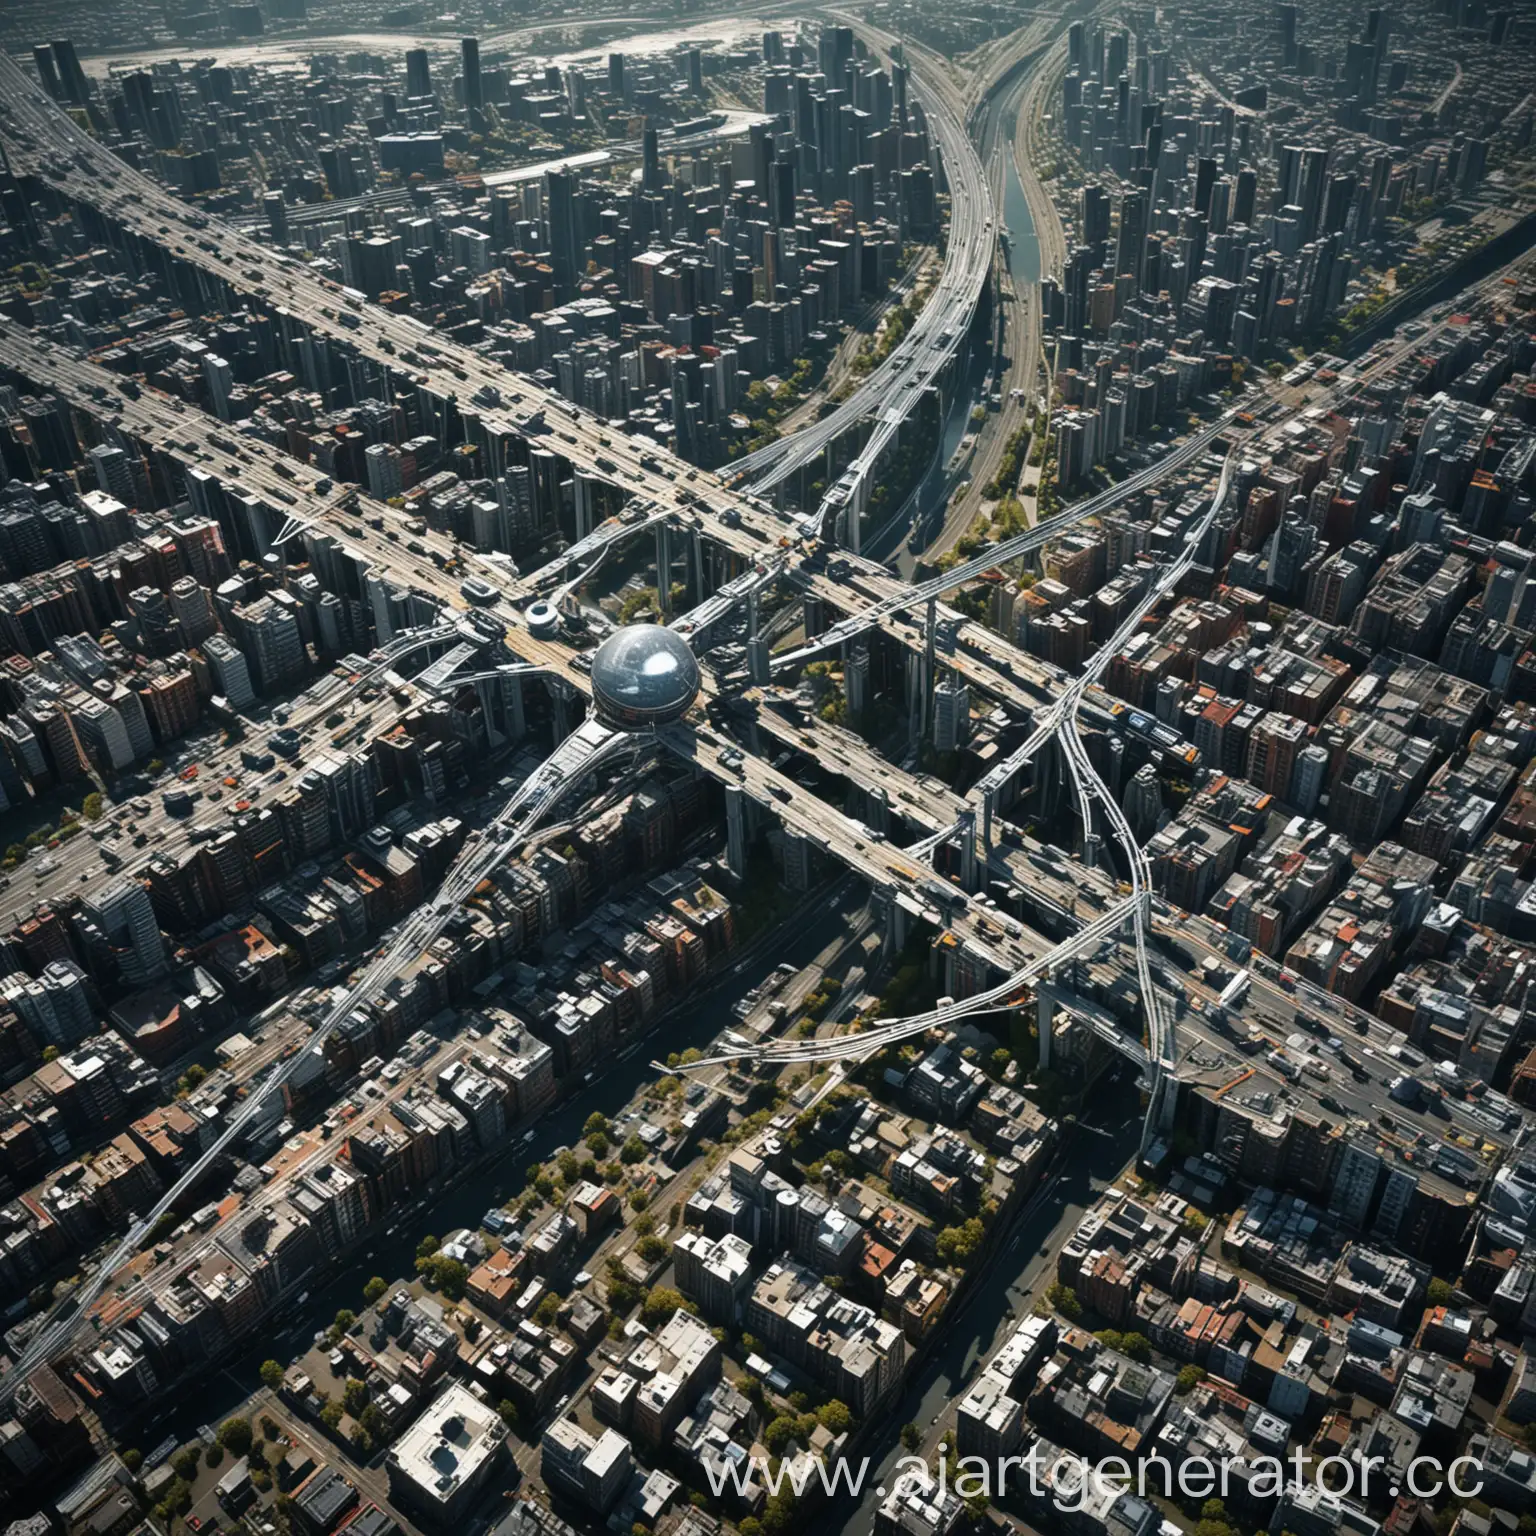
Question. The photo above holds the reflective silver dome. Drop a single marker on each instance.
(642, 675)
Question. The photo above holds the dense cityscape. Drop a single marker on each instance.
(757, 764)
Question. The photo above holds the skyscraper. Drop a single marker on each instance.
(1130, 252)
(418, 73)
(560, 221)
(71, 76)
(470, 51)
(120, 914)
(114, 474)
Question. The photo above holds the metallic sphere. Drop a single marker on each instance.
(643, 675)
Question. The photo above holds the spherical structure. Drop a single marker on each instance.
(643, 675)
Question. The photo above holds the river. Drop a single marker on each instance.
(1023, 244)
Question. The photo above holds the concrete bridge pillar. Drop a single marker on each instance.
(664, 568)
(968, 873)
(1045, 1015)
(512, 701)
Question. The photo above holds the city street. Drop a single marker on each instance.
(1014, 1276)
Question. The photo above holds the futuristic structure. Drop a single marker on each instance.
(644, 675)
(644, 679)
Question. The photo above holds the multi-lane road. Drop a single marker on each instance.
(38, 135)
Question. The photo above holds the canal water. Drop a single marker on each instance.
(1023, 244)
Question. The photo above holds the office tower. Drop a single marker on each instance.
(782, 193)
(192, 608)
(650, 164)
(696, 71)
(1285, 24)
(1143, 802)
(114, 474)
(418, 73)
(1205, 180)
(56, 1006)
(951, 715)
(616, 75)
(220, 379)
(271, 635)
(1130, 252)
(231, 675)
(121, 915)
(1287, 175)
(1311, 184)
(1246, 196)
(470, 54)
(71, 77)
(1337, 203)
(1096, 215)
(42, 56)
(52, 432)
(276, 209)
(560, 226)
(835, 54)
(382, 461)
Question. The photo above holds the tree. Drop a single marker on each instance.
(633, 1151)
(91, 806)
(178, 1497)
(184, 1462)
(133, 1459)
(213, 1455)
(911, 1436)
(236, 1435)
(345, 1318)
(444, 1274)
(780, 1432)
(661, 1301)
(330, 1415)
(597, 1143)
(271, 1374)
(836, 1417)
(956, 1245)
(779, 1514)
(508, 1412)
(652, 1249)
(1065, 1301)
(548, 1308)
(50, 1053)
(354, 1396)
(1188, 1379)
(1440, 1293)
(1135, 1345)
(596, 1124)
(426, 1247)
(375, 1289)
